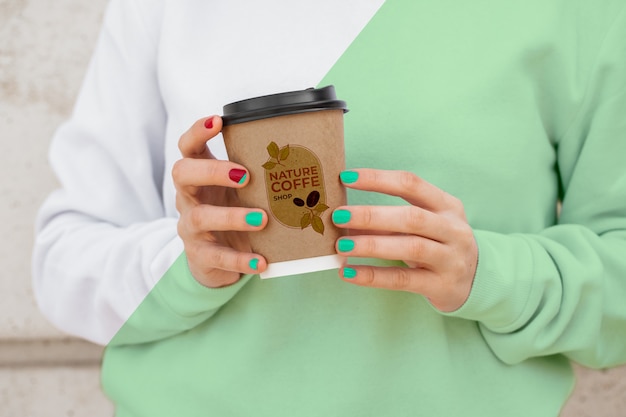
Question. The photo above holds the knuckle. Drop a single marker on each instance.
(415, 218)
(209, 169)
(455, 204)
(196, 217)
(232, 218)
(367, 217)
(408, 180)
(464, 271)
(180, 203)
(181, 229)
(218, 259)
(193, 252)
(369, 246)
(401, 279)
(177, 170)
(464, 235)
(372, 175)
(467, 234)
(453, 268)
(182, 142)
(458, 230)
(367, 276)
(416, 249)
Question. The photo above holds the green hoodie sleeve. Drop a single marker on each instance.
(177, 303)
(564, 290)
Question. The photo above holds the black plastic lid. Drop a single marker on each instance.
(311, 99)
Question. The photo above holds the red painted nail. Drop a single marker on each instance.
(208, 123)
(237, 175)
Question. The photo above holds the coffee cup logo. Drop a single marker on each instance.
(294, 182)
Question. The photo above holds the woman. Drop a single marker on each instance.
(465, 291)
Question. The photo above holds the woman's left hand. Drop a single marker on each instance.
(431, 235)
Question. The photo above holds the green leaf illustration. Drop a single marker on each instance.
(269, 165)
(284, 153)
(306, 220)
(273, 150)
(318, 224)
(320, 208)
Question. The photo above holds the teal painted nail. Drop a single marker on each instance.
(349, 273)
(254, 263)
(345, 245)
(341, 216)
(254, 218)
(243, 179)
(348, 177)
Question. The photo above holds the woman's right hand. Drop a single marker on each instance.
(212, 225)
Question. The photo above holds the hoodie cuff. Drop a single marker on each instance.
(186, 297)
(503, 282)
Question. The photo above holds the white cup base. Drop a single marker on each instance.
(302, 266)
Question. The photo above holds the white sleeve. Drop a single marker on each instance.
(102, 240)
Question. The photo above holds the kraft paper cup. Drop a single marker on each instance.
(292, 145)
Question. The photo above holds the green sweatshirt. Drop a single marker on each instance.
(516, 108)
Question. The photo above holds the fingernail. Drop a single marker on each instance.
(345, 245)
(254, 218)
(341, 216)
(254, 263)
(208, 123)
(349, 273)
(348, 177)
(237, 175)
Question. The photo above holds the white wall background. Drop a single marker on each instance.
(44, 50)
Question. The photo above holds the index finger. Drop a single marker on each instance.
(192, 143)
(403, 184)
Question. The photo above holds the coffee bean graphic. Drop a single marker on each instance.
(298, 202)
(313, 198)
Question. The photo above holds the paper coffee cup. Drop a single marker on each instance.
(292, 145)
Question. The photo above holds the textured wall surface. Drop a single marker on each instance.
(44, 50)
